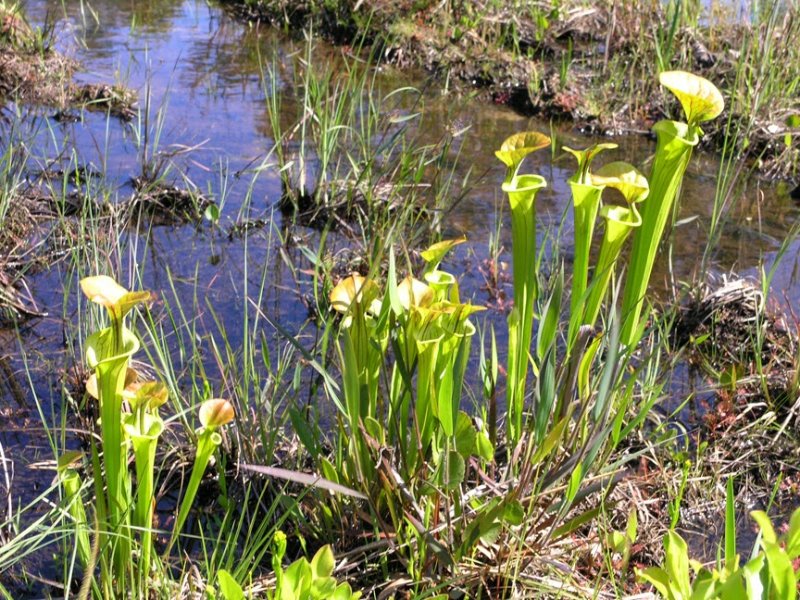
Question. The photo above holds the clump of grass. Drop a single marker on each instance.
(352, 159)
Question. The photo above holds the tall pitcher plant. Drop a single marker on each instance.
(129, 421)
(521, 191)
(586, 195)
(701, 101)
(108, 353)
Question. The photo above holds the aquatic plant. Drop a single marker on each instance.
(701, 101)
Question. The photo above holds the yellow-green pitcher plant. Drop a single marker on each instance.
(701, 101)
(361, 350)
(214, 414)
(586, 194)
(521, 191)
(619, 222)
(143, 426)
(108, 353)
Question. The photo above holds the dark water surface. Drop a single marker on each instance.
(199, 80)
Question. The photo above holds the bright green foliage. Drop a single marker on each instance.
(304, 580)
(130, 423)
(701, 101)
(585, 204)
(521, 190)
(769, 574)
(622, 542)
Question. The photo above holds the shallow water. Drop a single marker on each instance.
(198, 75)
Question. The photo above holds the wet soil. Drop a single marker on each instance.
(32, 71)
(586, 66)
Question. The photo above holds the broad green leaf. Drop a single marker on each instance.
(767, 531)
(618, 541)
(781, 573)
(705, 586)
(296, 580)
(793, 536)
(211, 213)
(323, 562)
(575, 481)
(551, 441)
(375, 430)
(303, 431)
(453, 470)
(513, 513)
(435, 253)
(701, 100)
(632, 527)
(344, 592)
(483, 447)
(659, 579)
(519, 145)
(328, 470)
(228, 586)
(677, 562)
(465, 435)
(751, 573)
(322, 587)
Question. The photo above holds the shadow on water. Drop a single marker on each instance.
(199, 73)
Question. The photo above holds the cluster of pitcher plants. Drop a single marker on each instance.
(438, 480)
(129, 426)
(404, 347)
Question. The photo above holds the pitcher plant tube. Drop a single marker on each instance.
(701, 101)
(108, 353)
(585, 204)
(214, 414)
(619, 222)
(521, 190)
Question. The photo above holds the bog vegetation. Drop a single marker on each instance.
(402, 443)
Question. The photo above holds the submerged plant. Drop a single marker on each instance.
(521, 190)
(701, 101)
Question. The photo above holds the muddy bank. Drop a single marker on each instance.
(31, 71)
(594, 66)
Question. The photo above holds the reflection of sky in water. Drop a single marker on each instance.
(199, 72)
